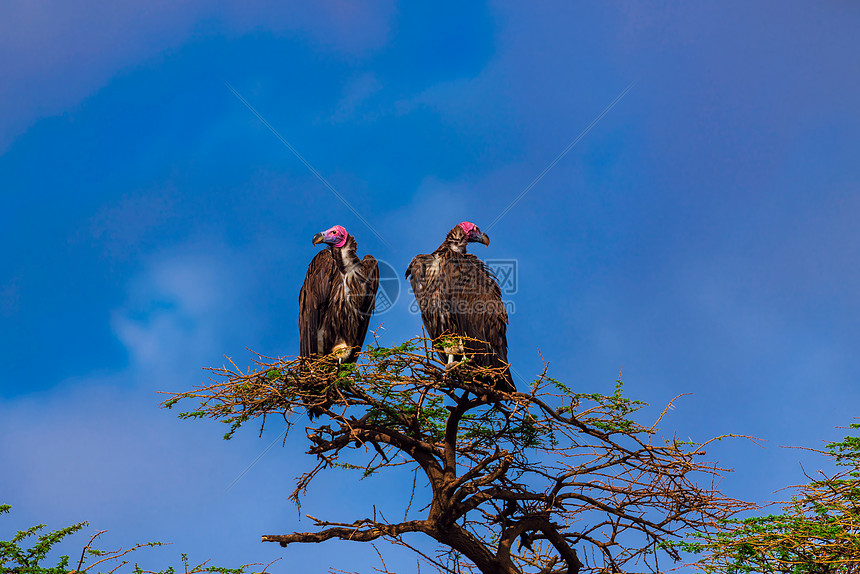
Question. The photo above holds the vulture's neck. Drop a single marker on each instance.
(345, 257)
(455, 241)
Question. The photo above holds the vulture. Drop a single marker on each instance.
(459, 295)
(336, 300)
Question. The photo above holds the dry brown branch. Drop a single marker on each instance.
(549, 481)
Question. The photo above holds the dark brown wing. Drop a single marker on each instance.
(370, 272)
(481, 311)
(314, 299)
(429, 291)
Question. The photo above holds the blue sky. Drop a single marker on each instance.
(703, 235)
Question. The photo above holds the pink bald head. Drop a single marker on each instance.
(338, 235)
(335, 236)
(473, 234)
(468, 226)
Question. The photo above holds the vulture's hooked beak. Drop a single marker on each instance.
(319, 238)
(484, 238)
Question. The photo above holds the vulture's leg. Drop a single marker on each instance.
(342, 351)
(454, 350)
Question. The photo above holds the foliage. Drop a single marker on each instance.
(817, 532)
(547, 480)
(20, 560)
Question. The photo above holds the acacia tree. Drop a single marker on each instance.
(817, 532)
(547, 480)
(17, 558)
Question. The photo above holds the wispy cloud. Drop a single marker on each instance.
(186, 309)
(53, 54)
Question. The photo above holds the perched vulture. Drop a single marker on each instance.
(336, 300)
(458, 295)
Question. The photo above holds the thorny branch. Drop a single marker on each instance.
(817, 532)
(545, 481)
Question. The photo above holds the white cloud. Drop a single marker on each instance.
(99, 448)
(188, 308)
